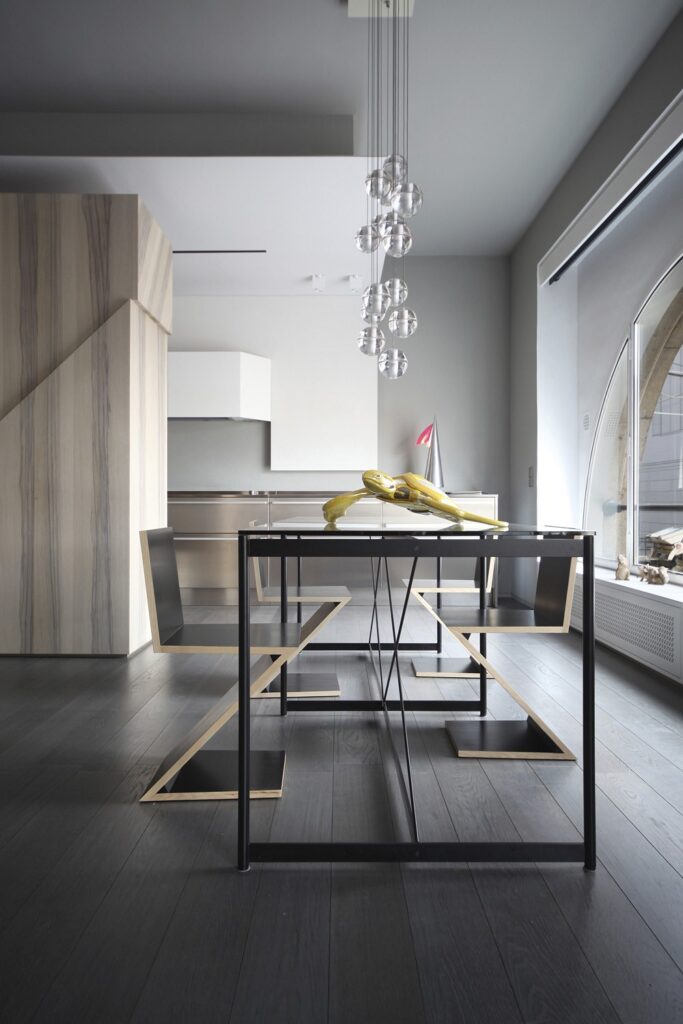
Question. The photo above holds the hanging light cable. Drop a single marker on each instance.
(391, 198)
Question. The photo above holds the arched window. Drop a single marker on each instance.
(607, 491)
(634, 492)
(658, 336)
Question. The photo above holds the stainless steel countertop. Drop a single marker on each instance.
(214, 495)
(177, 495)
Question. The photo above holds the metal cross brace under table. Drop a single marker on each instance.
(379, 545)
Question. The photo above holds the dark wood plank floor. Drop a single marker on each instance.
(115, 911)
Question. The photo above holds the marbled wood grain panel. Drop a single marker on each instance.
(148, 486)
(65, 504)
(67, 263)
(155, 269)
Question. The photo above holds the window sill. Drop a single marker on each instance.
(667, 593)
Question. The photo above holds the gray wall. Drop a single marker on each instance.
(458, 371)
(218, 455)
(655, 85)
(177, 134)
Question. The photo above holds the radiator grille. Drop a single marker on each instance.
(638, 626)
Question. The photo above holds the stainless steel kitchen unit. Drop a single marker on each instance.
(206, 525)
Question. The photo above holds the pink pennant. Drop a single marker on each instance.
(425, 437)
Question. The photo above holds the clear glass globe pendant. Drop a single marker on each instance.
(387, 221)
(392, 363)
(403, 323)
(397, 241)
(406, 200)
(372, 315)
(397, 291)
(375, 294)
(371, 341)
(395, 170)
(367, 238)
(379, 186)
(375, 304)
(388, 186)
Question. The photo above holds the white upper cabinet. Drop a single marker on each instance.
(218, 385)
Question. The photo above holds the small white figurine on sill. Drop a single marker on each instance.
(655, 574)
(623, 568)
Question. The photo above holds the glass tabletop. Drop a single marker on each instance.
(423, 526)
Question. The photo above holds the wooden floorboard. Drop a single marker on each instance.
(194, 975)
(38, 942)
(146, 891)
(644, 806)
(113, 911)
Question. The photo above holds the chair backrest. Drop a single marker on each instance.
(161, 581)
(490, 569)
(555, 591)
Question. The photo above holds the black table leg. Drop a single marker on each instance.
(483, 692)
(396, 642)
(589, 838)
(396, 637)
(439, 637)
(283, 618)
(244, 710)
(374, 620)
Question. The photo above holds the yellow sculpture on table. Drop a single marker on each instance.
(409, 491)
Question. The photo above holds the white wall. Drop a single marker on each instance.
(458, 370)
(324, 392)
(557, 412)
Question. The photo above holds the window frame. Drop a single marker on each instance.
(632, 348)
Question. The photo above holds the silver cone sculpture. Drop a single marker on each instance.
(433, 469)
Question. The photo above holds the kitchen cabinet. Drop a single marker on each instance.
(206, 526)
(218, 385)
(205, 530)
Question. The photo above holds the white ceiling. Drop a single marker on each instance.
(303, 211)
(504, 93)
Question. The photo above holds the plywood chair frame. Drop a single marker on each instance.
(437, 666)
(189, 772)
(187, 763)
(301, 685)
(533, 739)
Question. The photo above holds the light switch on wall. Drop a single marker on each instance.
(532, 476)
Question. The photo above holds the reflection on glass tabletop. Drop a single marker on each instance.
(423, 525)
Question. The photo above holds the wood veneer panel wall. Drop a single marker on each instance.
(82, 419)
(64, 528)
(148, 460)
(155, 269)
(67, 262)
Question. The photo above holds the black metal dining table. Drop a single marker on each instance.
(433, 540)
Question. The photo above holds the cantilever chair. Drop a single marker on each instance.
(551, 613)
(303, 684)
(189, 772)
(437, 666)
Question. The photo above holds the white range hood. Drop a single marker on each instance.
(218, 386)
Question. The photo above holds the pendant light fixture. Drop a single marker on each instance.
(392, 199)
